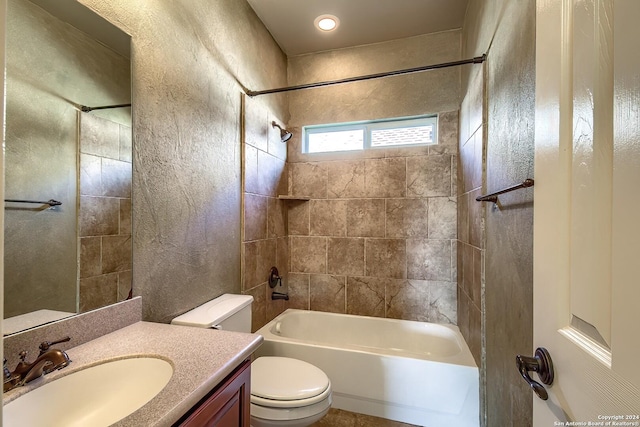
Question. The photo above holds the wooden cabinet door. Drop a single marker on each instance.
(228, 405)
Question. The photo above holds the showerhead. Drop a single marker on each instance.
(285, 135)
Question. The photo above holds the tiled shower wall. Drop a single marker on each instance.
(377, 235)
(264, 234)
(105, 212)
(471, 214)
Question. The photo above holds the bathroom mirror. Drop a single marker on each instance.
(76, 256)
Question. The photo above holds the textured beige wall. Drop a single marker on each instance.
(51, 66)
(497, 146)
(420, 93)
(189, 60)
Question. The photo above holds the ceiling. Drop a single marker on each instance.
(89, 22)
(291, 22)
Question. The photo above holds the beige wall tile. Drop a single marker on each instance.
(125, 281)
(345, 256)
(454, 175)
(90, 256)
(475, 287)
(442, 302)
(407, 218)
(99, 291)
(463, 217)
(90, 175)
(476, 221)
(100, 137)
(442, 218)
(327, 293)
(467, 165)
(282, 258)
(365, 218)
(459, 173)
(366, 296)
(328, 217)
(460, 265)
(276, 218)
(299, 291)
(421, 150)
(255, 217)
(298, 218)
(447, 134)
(454, 260)
(464, 305)
(467, 269)
(99, 216)
(251, 176)
(308, 254)
(126, 143)
(429, 259)
(475, 93)
(475, 333)
(478, 152)
(125, 216)
(309, 180)
(259, 257)
(116, 253)
(274, 307)
(407, 300)
(259, 306)
(116, 178)
(429, 176)
(386, 258)
(271, 171)
(255, 123)
(345, 179)
(385, 177)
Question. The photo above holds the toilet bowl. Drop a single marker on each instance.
(285, 392)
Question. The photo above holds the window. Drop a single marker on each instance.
(373, 134)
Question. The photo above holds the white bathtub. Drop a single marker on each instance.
(413, 372)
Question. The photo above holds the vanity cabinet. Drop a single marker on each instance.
(227, 405)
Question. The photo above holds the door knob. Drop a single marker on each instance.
(540, 363)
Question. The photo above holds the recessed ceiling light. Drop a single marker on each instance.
(326, 22)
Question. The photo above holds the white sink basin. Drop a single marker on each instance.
(97, 396)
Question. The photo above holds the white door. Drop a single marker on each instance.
(587, 210)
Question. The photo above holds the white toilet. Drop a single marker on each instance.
(285, 392)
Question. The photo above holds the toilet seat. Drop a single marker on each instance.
(288, 389)
(271, 403)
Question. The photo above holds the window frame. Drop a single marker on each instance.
(371, 125)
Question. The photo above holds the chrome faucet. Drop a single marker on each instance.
(49, 360)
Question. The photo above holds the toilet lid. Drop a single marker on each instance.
(286, 379)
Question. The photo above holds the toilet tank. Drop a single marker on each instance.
(228, 312)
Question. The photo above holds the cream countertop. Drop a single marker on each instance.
(201, 359)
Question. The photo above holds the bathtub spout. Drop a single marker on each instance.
(279, 295)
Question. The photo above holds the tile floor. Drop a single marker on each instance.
(340, 418)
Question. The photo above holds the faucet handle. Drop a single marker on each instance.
(44, 346)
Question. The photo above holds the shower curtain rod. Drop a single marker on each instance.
(476, 60)
(86, 109)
